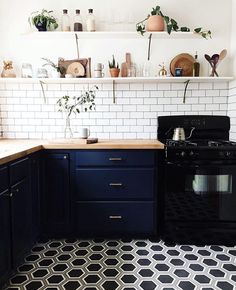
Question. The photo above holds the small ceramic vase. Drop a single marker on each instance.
(155, 23)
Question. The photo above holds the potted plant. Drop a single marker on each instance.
(59, 70)
(43, 20)
(114, 68)
(75, 105)
(154, 23)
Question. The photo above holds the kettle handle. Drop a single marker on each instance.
(191, 133)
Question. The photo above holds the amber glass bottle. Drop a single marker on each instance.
(196, 67)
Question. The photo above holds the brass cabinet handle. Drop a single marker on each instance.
(115, 184)
(115, 217)
(115, 159)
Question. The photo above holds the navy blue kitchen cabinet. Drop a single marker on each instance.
(114, 193)
(21, 209)
(5, 241)
(55, 200)
(35, 180)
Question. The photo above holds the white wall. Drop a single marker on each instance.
(194, 13)
(233, 37)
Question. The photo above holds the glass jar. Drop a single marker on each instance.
(78, 26)
(65, 21)
(26, 70)
(90, 22)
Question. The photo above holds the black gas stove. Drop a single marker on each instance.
(200, 179)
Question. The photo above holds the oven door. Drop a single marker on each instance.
(200, 192)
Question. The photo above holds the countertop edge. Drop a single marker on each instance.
(9, 156)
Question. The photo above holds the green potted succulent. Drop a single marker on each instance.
(155, 22)
(114, 68)
(75, 105)
(43, 20)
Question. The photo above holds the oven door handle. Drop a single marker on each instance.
(183, 165)
(206, 166)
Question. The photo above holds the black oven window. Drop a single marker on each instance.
(209, 184)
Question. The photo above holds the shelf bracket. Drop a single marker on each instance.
(77, 44)
(114, 91)
(149, 46)
(185, 90)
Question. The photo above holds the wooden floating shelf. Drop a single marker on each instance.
(113, 35)
(117, 80)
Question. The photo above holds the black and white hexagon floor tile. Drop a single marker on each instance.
(125, 265)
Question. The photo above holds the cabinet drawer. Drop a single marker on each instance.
(107, 219)
(4, 179)
(115, 158)
(114, 184)
(19, 170)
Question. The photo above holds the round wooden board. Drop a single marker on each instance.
(184, 61)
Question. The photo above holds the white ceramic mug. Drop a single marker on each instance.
(98, 74)
(99, 66)
(84, 133)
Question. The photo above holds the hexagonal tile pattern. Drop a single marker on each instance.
(110, 273)
(125, 264)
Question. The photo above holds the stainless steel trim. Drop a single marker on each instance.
(116, 184)
(115, 159)
(115, 217)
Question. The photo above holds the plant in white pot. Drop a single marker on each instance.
(75, 105)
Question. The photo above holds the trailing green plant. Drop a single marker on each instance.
(43, 18)
(77, 104)
(171, 24)
(53, 65)
(112, 64)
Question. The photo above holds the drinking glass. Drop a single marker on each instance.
(26, 70)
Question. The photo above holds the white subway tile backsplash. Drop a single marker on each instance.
(164, 87)
(136, 87)
(134, 115)
(205, 86)
(150, 87)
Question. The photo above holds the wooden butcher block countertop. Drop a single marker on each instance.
(12, 149)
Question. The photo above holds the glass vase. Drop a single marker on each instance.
(68, 131)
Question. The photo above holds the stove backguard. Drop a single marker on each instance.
(206, 127)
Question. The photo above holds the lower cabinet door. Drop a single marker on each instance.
(55, 205)
(21, 211)
(5, 243)
(95, 219)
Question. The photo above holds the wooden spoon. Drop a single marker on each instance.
(223, 54)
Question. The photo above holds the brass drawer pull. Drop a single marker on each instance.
(115, 159)
(116, 184)
(115, 217)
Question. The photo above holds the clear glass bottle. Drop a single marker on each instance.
(78, 25)
(90, 21)
(65, 23)
(196, 67)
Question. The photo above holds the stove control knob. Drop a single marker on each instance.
(227, 153)
(182, 154)
(191, 154)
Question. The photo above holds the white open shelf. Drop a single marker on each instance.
(112, 34)
(117, 80)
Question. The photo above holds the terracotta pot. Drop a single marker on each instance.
(114, 72)
(155, 23)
